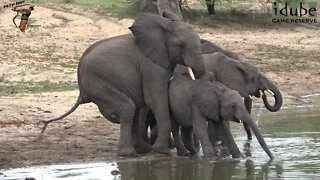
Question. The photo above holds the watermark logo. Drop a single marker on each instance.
(294, 11)
(13, 4)
(23, 8)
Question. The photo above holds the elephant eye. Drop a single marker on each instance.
(252, 80)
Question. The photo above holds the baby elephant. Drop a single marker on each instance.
(195, 103)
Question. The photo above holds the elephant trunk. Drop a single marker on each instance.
(277, 97)
(246, 118)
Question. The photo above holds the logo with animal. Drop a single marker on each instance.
(24, 10)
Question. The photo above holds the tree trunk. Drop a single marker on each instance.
(170, 5)
(210, 6)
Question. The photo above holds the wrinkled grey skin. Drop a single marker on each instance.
(194, 103)
(242, 77)
(125, 73)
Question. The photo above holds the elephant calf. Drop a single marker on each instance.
(194, 103)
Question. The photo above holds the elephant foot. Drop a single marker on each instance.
(127, 152)
(209, 155)
(221, 143)
(237, 156)
(171, 143)
(192, 149)
(197, 146)
(161, 149)
(224, 152)
(214, 144)
(143, 148)
(182, 152)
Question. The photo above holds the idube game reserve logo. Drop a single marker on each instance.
(294, 11)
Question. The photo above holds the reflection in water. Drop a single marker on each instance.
(247, 149)
(176, 169)
(292, 135)
(186, 169)
(269, 170)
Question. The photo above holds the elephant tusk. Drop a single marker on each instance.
(191, 73)
(261, 92)
(269, 91)
(240, 121)
(250, 96)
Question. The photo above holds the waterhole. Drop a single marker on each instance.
(293, 136)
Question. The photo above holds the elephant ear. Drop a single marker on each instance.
(205, 96)
(233, 75)
(244, 71)
(171, 15)
(150, 31)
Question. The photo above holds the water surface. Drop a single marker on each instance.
(293, 136)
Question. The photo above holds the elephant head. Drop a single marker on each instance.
(168, 42)
(244, 78)
(232, 108)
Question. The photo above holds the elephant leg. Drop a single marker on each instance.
(200, 125)
(248, 104)
(154, 130)
(152, 123)
(189, 141)
(155, 89)
(226, 136)
(171, 143)
(181, 150)
(214, 136)
(164, 126)
(141, 146)
(221, 133)
(212, 133)
(154, 134)
(143, 124)
(126, 125)
(123, 111)
(185, 139)
(196, 142)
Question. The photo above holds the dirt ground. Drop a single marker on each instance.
(51, 49)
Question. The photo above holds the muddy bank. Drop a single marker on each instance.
(84, 136)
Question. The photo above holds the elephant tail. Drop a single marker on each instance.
(74, 107)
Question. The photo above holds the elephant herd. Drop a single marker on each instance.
(165, 75)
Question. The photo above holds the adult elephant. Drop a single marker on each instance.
(194, 103)
(124, 73)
